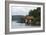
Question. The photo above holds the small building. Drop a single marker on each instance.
(28, 19)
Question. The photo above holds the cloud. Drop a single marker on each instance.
(21, 10)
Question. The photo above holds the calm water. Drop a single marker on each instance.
(16, 22)
(19, 25)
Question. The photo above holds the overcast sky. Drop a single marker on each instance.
(21, 10)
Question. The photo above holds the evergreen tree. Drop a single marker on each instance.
(36, 14)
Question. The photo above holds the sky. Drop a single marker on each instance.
(21, 10)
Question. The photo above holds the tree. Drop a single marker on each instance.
(36, 14)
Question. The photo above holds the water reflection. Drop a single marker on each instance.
(18, 25)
